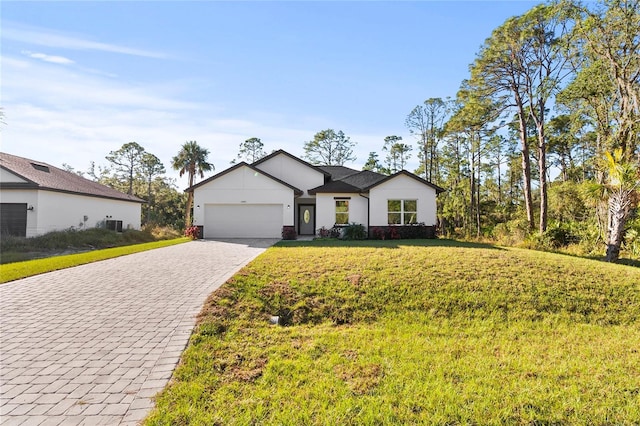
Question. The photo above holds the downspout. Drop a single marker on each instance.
(368, 211)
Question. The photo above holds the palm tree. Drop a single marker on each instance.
(622, 181)
(191, 159)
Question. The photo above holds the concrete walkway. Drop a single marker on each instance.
(93, 344)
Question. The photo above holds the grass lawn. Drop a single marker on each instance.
(17, 270)
(413, 332)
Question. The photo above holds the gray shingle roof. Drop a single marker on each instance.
(44, 176)
(335, 186)
(353, 182)
(364, 179)
(337, 172)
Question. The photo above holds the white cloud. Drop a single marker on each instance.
(49, 58)
(34, 82)
(64, 115)
(49, 38)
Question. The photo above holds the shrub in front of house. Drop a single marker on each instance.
(354, 231)
(408, 232)
(192, 232)
(289, 233)
(329, 232)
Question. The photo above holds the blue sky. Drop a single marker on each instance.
(80, 79)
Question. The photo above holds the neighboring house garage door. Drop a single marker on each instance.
(243, 221)
(13, 219)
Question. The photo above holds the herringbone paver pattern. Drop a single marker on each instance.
(93, 344)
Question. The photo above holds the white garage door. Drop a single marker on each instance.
(243, 221)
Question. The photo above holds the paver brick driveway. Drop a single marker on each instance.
(94, 343)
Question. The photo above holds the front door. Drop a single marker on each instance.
(306, 219)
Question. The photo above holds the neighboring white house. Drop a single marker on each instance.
(36, 198)
(281, 190)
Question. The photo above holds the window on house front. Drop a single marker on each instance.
(402, 212)
(342, 212)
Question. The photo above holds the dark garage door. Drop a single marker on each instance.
(13, 219)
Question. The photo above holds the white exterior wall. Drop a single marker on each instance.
(293, 172)
(56, 211)
(326, 209)
(403, 188)
(243, 186)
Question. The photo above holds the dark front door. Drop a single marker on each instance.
(306, 219)
(13, 219)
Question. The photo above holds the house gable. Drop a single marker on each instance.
(407, 174)
(7, 176)
(292, 170)
(238, 198)
(403, 186)
(223, 179)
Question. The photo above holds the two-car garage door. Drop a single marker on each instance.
(243, 220)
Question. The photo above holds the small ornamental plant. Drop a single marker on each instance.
(355, 231)
(378, 233)
(393, 233)
(289, 233)
(328, 233)
(191, 232)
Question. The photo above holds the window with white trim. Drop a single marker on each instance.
(342, 212)
(402, 212)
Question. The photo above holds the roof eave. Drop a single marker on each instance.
(19, 185)
(36, 187)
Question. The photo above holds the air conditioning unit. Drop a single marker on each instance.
(114, 225)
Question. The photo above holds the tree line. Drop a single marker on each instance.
(542, 140)
(557, 86)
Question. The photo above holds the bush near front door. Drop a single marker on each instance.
(289, 233)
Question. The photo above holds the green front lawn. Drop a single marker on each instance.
(18, 270)
(413, 332)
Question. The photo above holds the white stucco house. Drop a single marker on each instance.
(36, 198)
(281, 190)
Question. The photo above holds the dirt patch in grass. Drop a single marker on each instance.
(361, 378)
